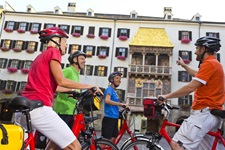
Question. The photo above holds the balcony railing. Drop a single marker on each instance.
(150, 69)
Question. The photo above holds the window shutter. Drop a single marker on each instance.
(98, 49)
(12, 44)
(5, 63)
(190, 77)
(96, 71)
(14, 86)
(93, 52)
(2, 41)
(207, 33)
(25, 45)
(105, 71)
(2, 85)
(91, 70)
(125, 73)
(18, 86)
(118, 32)
(84, 48)
(115, 69)
(21, 64)
(126, 52)
(218, 35)
(81, 30)
(82, 71)
(190, 35)
(179, 75)
(123, 95)
(79, 47)
(6, 23)
(30, 26)
(128, 33)
(110, 32)
(179, 37)
(27, 26)
(36, 45)
(100, 32)
(68, 29)
(45, 25)
(39, 27)
(190, 55)
(16, 25)
(180, 52)
(218, 56)
(59, 25)
(70, 48)
(72, 31)
(107, 51)
(117, 52)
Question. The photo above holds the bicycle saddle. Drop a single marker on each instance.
(220, 113)
(21, 103)
(90, 119)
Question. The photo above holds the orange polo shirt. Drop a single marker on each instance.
(212, 92)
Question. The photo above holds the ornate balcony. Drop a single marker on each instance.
(150, 70)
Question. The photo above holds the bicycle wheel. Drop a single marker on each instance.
(142, 145)
(137, 137)
(101, 144)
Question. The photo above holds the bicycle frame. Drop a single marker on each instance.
(30, 141)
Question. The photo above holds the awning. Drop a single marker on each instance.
(153, 37)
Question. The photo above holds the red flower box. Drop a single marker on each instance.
(8, 30)
(33, 32)
(7, 91)
(76, 34)
(90, 35)
(4, 49)
(102, 56)
(121, 57)
(185, 40)
(104, 37)
(21, 31)
(186, 61)
(30, 51)
(12, 69)
(123, 38)
(17, 50)
(25, 70)
(88, 55)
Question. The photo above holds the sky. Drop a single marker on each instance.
(183, 9)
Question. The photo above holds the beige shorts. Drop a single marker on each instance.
(195, 127)
(45, 120)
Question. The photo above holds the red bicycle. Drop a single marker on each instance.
(153, 142)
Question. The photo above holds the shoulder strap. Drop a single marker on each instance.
(4, 139)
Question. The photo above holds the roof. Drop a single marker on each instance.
(154, 37)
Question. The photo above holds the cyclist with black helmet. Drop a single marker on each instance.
(65, 105)
(208, 85)
(44, 77)
(111, 107)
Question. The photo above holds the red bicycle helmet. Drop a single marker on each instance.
(48, 33)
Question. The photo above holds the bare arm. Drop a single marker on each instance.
(110, 102)
(64, 82)
(190, 71)
(62, 89)
(183, 91)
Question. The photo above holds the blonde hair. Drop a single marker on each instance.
(50, 43)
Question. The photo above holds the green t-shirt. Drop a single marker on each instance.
(64, 104)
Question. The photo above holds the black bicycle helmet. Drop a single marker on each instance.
(75, 54)
(212, 43)
(112, 75)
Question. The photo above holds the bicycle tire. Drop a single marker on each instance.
(137, 137)
(99, 142)
(141, 145)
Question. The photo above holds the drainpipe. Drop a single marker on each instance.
(2, 22)
(199, 29)
(113, 42)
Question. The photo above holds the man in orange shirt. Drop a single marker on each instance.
(209, 93)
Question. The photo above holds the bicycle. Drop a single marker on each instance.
(125, 128)
(153, 142)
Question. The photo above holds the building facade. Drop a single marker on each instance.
(144, 49)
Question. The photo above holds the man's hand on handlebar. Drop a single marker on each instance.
(161, 99)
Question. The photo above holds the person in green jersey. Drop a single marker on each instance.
(65, 105)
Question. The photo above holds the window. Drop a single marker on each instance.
(56, 11)
(23, 26)
(3, 63)
(10, 85)
(89, 50)
(10, 25)
(14, 63)
(138, 92)
(197, 18)
(74, 48)
(122, 70)
(185, 100)
(148, 90)
(185, 35)
(48, 25)
(35, 27)
(105, 32)
(89, 13)
(133, 16)
(91, 30)
(20, 86)
(19, 45)
(65, 28)
(31, 45)
(185, 55)
(123, 32)
(88, 70)
(43, 47)
(6, 44)
(121, 94)
(131, 101)
(103, 51)
(77, 29)
(27, 64)
(213, 34)
(183, 76)
(100, 71)
(121, 51)
(169, 17)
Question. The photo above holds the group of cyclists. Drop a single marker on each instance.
(47, 77)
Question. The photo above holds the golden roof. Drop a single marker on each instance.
(155, 37)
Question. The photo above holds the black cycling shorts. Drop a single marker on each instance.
(109, 127)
